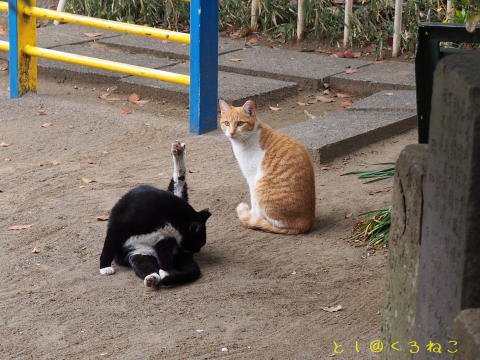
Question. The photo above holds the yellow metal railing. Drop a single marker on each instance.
(103, 24)
(100, 63)
(107, 65)
(4, 45)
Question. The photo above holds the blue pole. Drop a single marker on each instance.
(13, 52)
(203, 65)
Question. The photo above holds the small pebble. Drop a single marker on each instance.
(224, 349)
(199, 331)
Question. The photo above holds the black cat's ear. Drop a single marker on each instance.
(204, 215)
(196, 226)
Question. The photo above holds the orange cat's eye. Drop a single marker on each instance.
(240, 123)
(226, 123)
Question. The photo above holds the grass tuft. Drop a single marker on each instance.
(374, 231)
(375, 175)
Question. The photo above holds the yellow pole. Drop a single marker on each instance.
(108, 25)
(4, 45)
(108, 65)
(3, 6)
(27, 65)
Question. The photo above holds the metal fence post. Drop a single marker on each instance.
(203, 65)
(22, 31)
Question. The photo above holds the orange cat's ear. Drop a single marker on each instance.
(249, 107)
(224, 107)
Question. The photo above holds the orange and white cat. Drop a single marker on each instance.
(278, 170)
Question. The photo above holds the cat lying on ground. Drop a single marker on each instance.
(156, 232)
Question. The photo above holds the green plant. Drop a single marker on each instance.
(375, 175)
(373, 232)
(467, 12)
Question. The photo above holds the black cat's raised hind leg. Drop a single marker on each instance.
(146, 267)
(178, 183)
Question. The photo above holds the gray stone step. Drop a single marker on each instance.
(340, 133)
(388, 100)
(166, 48)
(233, 88)
(310, 70)
(62, 69)
(376, 77)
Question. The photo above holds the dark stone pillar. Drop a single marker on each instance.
(449, 268)
(404, 250)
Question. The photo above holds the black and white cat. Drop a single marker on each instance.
(156, 232)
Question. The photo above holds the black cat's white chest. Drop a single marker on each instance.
(145, 244)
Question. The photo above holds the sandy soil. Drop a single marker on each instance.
(260, 295)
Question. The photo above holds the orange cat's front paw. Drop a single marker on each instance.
(243, 211)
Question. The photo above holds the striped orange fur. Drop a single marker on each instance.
(278, 169)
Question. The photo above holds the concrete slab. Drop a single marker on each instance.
(376, 77)
(340, 133)
(73, 71)
(67, 34)
(388, 100)
(163, 48)
(307, 69)
(233, 88)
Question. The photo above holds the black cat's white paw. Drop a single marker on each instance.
(107, 270)
(151, 280)
(178, 148)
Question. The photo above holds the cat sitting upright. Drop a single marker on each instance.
(278, 170)
(156, 232)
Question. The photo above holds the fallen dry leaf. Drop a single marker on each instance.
(35, 250)
(324, 99)
(332, 308)
(87, 180)
(325, 168)
(309, 115)
(351, 71)
(193, 171)
(253, 41)
(312, 101)
(92, 35)
(4, 67)
(133, 98)
(388, 94)
(142, 102)
(348, 54)
(7, 159)
(91, 161)
(235, 60)
(301, 103)
(55, 162)
(108, 98)
(273, 108)
(342, 95)
(326, 85)
(346, 103)
(20, 227)
(41, 112)
(103, 217)
(126, 111)
(45, 125)
(4, 144)
(349, 215)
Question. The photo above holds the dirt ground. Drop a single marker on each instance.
(260, 296)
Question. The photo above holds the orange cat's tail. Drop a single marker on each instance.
(254, 222)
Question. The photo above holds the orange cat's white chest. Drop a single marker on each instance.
(250, 156)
